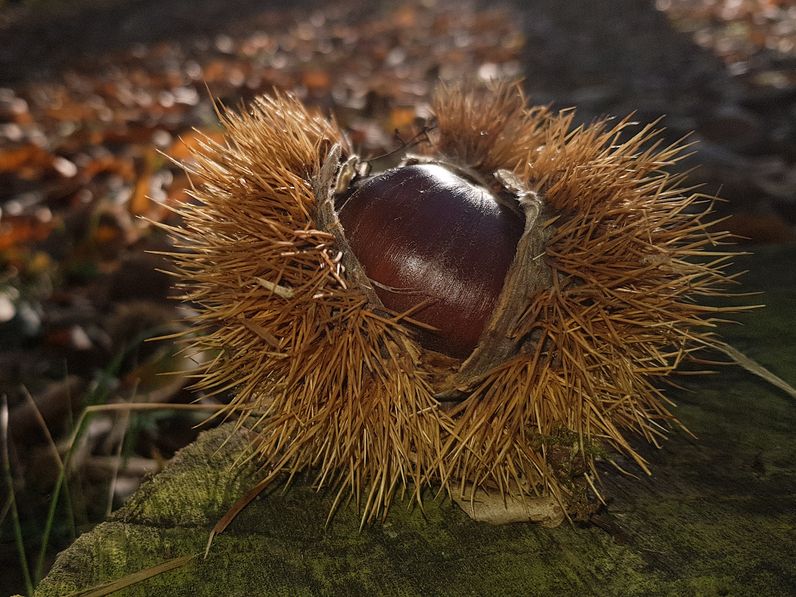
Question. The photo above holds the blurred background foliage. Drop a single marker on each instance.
(98, 97)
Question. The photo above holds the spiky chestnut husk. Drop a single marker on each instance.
(328, 379)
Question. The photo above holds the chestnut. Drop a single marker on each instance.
(434, 244)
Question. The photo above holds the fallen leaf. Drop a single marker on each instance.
(29, 155)
(139, 202)
(24, 229)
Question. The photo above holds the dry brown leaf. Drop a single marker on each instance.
(494, 508)
(29, 155)
(19, 230)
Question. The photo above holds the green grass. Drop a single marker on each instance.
(11, 500)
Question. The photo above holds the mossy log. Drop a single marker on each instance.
(717, 517)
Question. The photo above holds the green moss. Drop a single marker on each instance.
(681, 542)
(716, 517)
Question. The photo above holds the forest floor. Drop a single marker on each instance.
(93, 94)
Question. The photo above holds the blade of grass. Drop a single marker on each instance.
(5, 510)
(69, 497)
(43, 425)
(84, 416)
(23, 558)
(756, 368)
(236, 509)
(134, 578)
(56, 456)
(118, 454)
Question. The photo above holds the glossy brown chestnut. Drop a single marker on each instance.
(425, 235)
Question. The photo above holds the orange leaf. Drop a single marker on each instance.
(29, 155)
(139, 202)
(316, 80)
(401, 117)
(110, 163)
(17, 230)
(105, 234)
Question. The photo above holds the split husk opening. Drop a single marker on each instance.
(528, 274)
